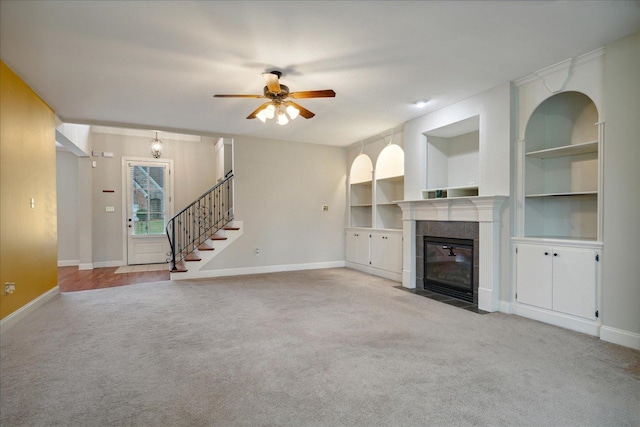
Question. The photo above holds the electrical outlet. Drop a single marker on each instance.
(257, 251)
(325, 208)
(9, 288)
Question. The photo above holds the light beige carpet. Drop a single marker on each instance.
(329, 347)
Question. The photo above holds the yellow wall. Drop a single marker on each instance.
(28, 236)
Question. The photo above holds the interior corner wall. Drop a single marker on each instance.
(68, 206)
(621, 269)
(28, 243)
(280, 188)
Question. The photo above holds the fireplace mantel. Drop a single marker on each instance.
(477, 208)
(486, 210)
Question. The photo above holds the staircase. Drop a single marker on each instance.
(202, 230)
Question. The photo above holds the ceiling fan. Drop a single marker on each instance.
(279, 103)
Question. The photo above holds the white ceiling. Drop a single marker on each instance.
(156, 64)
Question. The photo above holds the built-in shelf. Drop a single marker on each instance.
(568, 194)
(564, 151)
(450, 192)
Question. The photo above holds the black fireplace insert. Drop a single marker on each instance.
(448, 267)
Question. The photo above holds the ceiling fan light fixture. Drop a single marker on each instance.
(282, 118)
(262, 115)
(270, 111)
(292, 111)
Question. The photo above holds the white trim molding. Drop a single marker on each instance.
(28, 308)
(240, 271)
(620, 337)
(68, 263)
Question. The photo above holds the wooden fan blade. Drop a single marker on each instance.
(238, 96)
(257, 110)
(273, 83)
(303, 111)
(328, 93)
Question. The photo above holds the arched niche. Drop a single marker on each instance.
(361, 169)
(390, 162)
(562, 119)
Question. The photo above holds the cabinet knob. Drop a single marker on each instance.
(546, 253)
(555, 254)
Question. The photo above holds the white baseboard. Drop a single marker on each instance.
(240, 271)
(586, 326)
(396, 277)
(620, 337)
(506, 307)
(68, 263)
(85, 266)
(106, 264)
(30, 307)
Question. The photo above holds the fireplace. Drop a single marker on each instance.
(448, 267)
(447, 258)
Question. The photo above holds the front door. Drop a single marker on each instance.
(148, 209)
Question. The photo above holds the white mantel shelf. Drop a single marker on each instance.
(486, 210)
(476, 208)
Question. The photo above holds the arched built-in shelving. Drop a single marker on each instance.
(389, 180)
(561, 169)
(361, 192)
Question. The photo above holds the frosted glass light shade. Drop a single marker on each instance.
(282, 118)
(270, 111)
(292, 111)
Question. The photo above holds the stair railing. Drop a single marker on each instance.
(193, 225)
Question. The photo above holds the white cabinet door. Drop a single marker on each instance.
(386, 251)
(351, 246)
(362, 245)
(534, 275)
(357, 247)
(378, 250)
(394, 253)
(574, 281)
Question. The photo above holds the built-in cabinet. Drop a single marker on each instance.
(558, 278)
(374, 235)
(374, 251)
(558, 247)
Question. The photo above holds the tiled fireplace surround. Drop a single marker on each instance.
(448, 229)
(477, 218)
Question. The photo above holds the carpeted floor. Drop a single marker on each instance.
(313, 348)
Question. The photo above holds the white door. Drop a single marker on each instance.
(148, 209)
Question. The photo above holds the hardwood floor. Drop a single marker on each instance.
(71, 279)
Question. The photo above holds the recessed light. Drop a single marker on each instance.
(421, 103)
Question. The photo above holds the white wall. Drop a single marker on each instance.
(68, 206)
(621, 269)
(194, 174)
(280, 188)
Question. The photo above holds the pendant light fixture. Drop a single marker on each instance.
(156, 147)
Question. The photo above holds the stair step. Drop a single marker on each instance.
(205, 247)
(217, 238)
(231, 228)
(192, 257)
(180, 268)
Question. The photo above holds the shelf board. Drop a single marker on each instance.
(558, 237)
(399, 178)
(568, 194)
(387, 204)
(463, 187)
(362, 206)
(564, 151)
